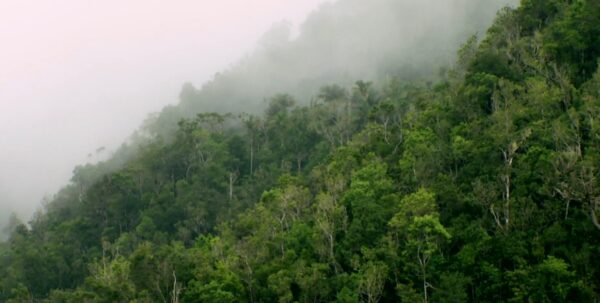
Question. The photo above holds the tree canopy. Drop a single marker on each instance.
(480, 187)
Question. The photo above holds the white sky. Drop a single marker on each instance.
(76, 75)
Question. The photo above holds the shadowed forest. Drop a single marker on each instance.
(467, 171)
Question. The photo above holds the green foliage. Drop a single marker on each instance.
(370, 203)
(481, 188)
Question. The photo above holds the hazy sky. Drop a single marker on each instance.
(76, 75)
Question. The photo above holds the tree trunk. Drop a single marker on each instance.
(230, 186)
(176, 290)
(594, 215)
(251, 158)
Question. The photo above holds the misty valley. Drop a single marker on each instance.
(390, 151)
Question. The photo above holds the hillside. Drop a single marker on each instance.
(339, 43)
(480, 185)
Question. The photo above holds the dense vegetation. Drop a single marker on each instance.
(482, 187)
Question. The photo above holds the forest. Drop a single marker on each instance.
(480, 185)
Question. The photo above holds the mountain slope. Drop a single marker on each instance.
(338, 44)
(481, 187)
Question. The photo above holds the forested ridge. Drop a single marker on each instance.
(479, 187)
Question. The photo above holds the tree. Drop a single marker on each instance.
(371, 281)
(370, 202)
(416, 226)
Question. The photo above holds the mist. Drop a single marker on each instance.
(78, 78)
(341, 42)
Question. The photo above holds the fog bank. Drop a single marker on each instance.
(80, 75)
